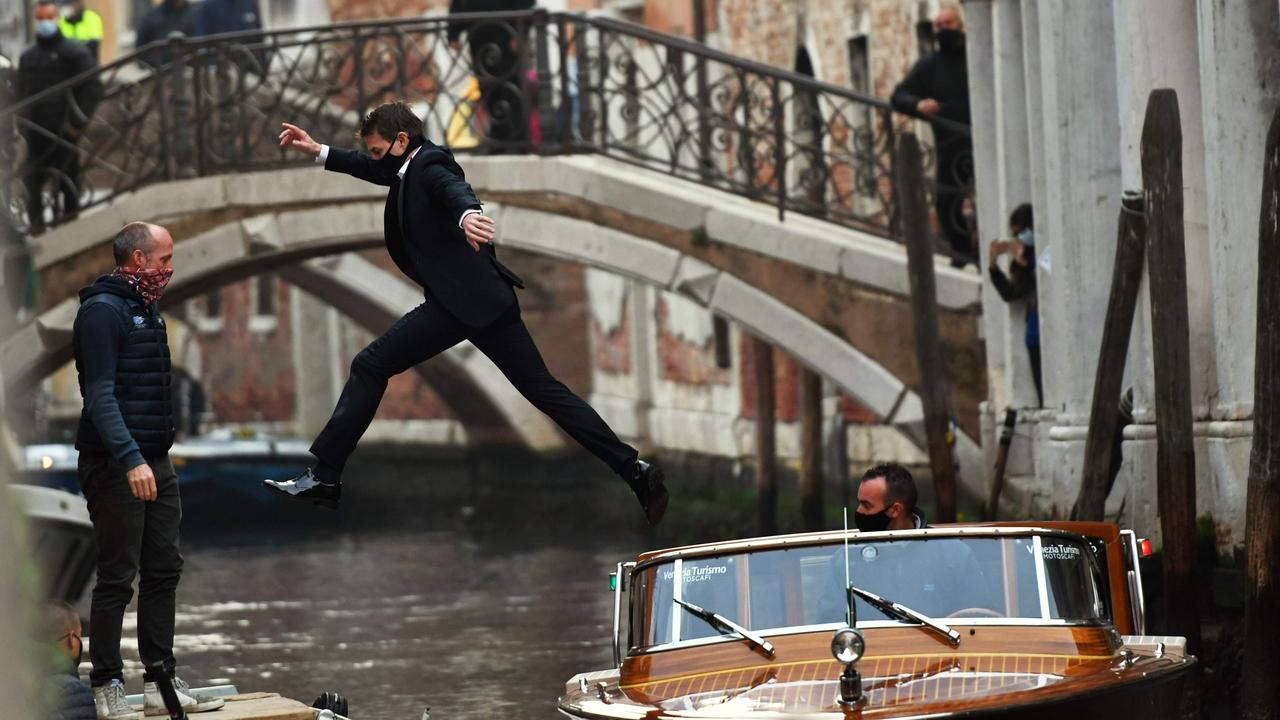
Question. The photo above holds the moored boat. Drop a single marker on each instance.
(224, 464)
(60, 535)
(999, 620)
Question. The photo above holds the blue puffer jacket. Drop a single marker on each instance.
(69, 699)
(122, 358)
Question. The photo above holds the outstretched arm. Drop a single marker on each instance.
(357, 165)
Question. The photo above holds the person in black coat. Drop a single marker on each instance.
(52, 126)
(66, 697)
(438, 235)
(937, 88)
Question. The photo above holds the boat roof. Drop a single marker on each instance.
(1107, 531)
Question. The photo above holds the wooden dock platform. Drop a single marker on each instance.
(258, 706)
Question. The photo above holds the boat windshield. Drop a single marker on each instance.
(1026, 578)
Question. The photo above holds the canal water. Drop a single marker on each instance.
(475, 587)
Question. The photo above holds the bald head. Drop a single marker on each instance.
(143, 245)
(948, 18)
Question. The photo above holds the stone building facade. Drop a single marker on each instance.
(1060, 92)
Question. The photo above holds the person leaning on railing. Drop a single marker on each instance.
(937, 88)
(51, 126)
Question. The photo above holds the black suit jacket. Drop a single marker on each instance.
(422, 234)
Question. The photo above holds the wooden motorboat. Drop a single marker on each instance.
(1041, 620)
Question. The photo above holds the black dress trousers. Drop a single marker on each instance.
(428, 330)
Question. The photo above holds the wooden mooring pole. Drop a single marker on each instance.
(1002, 463)
(909, 191)
(1170, 339)
(1104, 412)
(1261, 664)
(766, 447)
(811, 449)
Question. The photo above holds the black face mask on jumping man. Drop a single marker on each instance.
(386, 168)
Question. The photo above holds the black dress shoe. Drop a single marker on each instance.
(305, 486)
(647, 482)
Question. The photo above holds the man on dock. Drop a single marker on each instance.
(126, 429)
(438, 235)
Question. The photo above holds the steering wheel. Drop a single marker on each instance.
(976, 612)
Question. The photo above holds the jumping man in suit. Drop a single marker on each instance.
(438, 235)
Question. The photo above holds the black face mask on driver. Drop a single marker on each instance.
(873, 522)
(387, 167)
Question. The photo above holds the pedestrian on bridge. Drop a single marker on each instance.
(51, 127)
(438, 235)
(121, 351)
(937, 89)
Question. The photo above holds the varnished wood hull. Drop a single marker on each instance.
(1039, 672)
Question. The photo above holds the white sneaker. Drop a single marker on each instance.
(110, 702)
(192, 702)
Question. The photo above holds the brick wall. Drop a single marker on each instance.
(248, 373)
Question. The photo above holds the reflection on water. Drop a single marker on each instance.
(477, 589)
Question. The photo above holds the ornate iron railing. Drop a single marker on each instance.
(521, 82)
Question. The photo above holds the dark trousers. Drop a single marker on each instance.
(1033, 354)
(135, 538)
(428, 330)
(55, 162)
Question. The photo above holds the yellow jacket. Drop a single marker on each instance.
(87, 31)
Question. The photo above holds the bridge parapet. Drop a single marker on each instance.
(568, 84)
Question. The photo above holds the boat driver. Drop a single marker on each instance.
(936, 577)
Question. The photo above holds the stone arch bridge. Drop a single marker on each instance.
(777, 221)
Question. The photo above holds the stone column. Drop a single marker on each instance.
(1076, 225)
(1014, 182)
(1023, 467)
(984, 110)
(644, 352)
(1239, 53)
(1030, 16)
(1143, 66)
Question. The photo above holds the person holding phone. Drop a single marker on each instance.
(1019, 283)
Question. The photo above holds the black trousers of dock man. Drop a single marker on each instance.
(429, 330)
(136, 538)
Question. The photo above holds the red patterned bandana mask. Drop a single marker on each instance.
(148, 282)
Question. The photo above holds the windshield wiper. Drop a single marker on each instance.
(721, 622)
(902, 612)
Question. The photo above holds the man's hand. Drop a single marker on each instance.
(927, 107)
(454, 45)
(479, 229)
(298, 139)
(142, 482)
